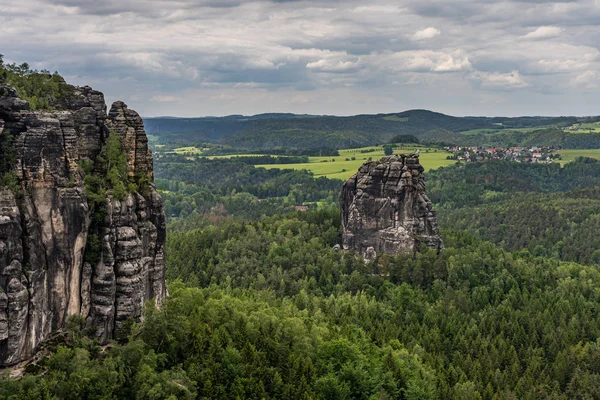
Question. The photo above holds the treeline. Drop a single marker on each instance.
(297, 138)
(268, 159)
(404, 139)
(224, 175)
(473, 183)
(245, 159)
(543, 137)
(200, 191)
(283, 152)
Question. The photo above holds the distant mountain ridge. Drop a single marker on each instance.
(275, 130)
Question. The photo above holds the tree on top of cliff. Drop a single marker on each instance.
(41, 89)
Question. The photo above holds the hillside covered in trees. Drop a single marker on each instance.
(290, 131)
(263, 306)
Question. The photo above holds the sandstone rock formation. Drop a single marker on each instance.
(385, 208)
(45, 224)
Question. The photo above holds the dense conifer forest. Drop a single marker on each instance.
(262, 305)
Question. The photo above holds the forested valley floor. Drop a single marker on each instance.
(262, 305)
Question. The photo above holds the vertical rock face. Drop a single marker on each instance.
(44, 225)
(385, 208)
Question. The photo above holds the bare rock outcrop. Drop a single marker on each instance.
(45, 223)
(385, 209)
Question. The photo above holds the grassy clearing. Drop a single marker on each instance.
(236, 155)
(343, 167)
(592, 127)
(532, 129)
(570, 155)
(491, 131)
(188, 150)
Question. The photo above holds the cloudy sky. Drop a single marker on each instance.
(220, 57)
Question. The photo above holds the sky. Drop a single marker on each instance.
(222, 57)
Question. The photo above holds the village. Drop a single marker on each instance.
(542, 155)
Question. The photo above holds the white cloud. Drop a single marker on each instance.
(422, 61)
(589, 79)
(544, 32)
(425, 34)
(448, 64)
(511, 80)
(332, 65)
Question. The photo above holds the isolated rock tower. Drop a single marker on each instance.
(385, 209)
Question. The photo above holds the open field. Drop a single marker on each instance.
(344, 166)
(593, 127)
(570, 155)
(236, 155)
(188, 150)
(490, 131)
(196, 151)
(349, 160)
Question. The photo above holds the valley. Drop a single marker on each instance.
(234, 258)
(349, 160)
(344, 165)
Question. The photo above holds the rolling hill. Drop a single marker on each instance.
(271, 131)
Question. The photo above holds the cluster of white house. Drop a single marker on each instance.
(534, 154)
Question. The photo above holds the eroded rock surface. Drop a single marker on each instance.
(385, 208)
(45, 224)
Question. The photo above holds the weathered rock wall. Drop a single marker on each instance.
(44, 226)
(385, 208)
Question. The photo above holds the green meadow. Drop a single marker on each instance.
(591, 127)
(188, 150)
(349, 160)
(343, 166)
(570, 155)
(236, 155)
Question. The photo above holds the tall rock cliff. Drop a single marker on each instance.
(385, 208)
(48, 227)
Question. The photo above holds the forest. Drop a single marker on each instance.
(291, 133)
(262, 305)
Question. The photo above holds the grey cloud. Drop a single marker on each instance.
(144, 7)
(459, 10)
(310, 55)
